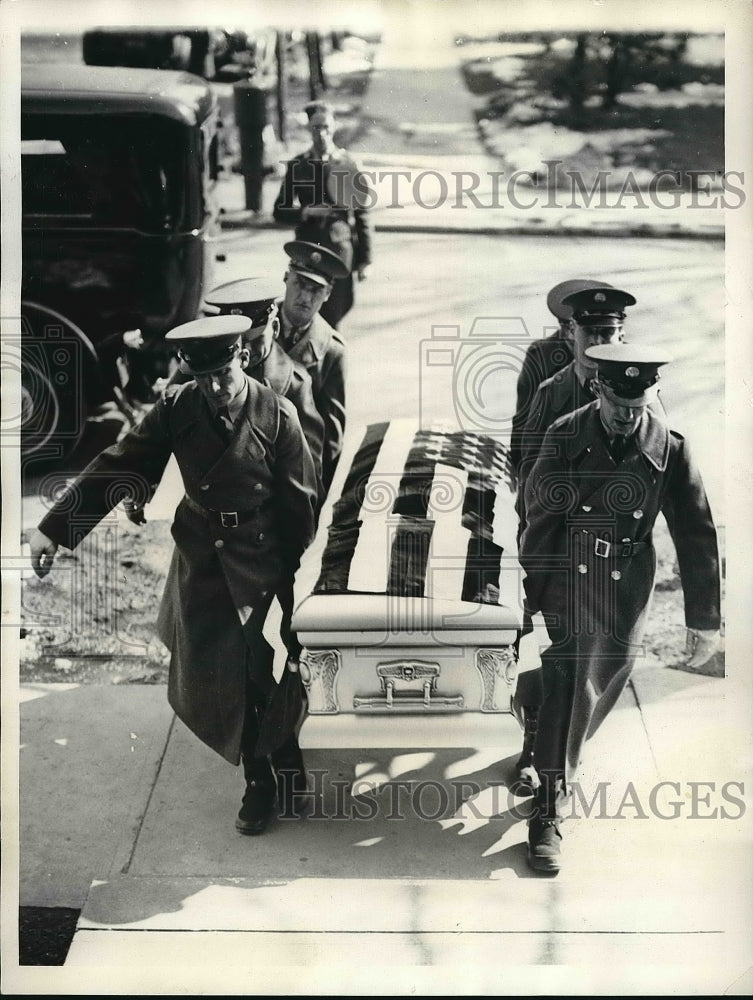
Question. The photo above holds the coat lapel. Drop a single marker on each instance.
(207, 454)
(246, 441)
(278, 370)
(198, 443)
(589, 456)
(311, 348)
(592, 462)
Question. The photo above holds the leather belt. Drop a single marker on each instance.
(223, 518)
(606, 549)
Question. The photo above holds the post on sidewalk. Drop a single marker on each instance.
(281, 84)
(317, 79)
(250, 99)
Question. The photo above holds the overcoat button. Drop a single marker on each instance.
(582, 568)
(261, 536)
(257, 486)
(204, 486)
(219, 543)
(616, 575)
(586, 508)
(638, 514)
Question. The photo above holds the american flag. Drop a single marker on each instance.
(418, 514)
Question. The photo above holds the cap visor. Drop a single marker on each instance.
(318, 278)
(202, 369)
(622, 399)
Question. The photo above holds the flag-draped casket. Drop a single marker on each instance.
(409, 600)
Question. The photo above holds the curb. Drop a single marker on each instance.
(516, 228)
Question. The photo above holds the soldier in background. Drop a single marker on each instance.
(323, 197)
(311, 341)
(547, 356)
(598, 317)
(247, 515)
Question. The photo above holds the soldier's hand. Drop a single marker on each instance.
(43, 551)
(700, 646)
(363, 273)
(320, 212)
(134, 511)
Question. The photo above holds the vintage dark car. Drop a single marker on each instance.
(117, 171)
(211, 52)
(195, 50)
(409, 601)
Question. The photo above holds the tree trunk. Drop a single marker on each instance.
(615, 72)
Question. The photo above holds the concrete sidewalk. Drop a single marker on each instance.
(415, 852)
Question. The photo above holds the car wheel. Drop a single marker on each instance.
(54, 399)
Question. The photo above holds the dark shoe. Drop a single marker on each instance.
(544, 844)
(257, 808)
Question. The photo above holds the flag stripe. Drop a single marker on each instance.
(342, 535)
(369, 567)
(451, 537)
(416, 516)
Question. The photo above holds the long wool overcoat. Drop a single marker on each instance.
(321, 351)
(543, 358)
(590, 563)
(221, 579)
(290, 379)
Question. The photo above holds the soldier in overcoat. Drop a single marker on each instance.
(239, 531)
(596, 314)
(603, 475)
(597, 317)
(311, 342)
(546, 356)
(258, 299)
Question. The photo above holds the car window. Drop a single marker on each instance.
(121, 171)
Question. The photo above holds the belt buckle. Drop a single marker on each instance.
(229, 514)
(602, 548)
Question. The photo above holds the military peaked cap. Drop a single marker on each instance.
(557, 294)
(251, 297)
(204, 345)
(315, 261)
(601, 306)
(626, 369)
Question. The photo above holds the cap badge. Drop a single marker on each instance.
(632, 372)
(316, 257)
(600, 297)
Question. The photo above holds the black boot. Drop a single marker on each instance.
(526, 781)
(292, 786)
(544, 835)
(259, 797)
